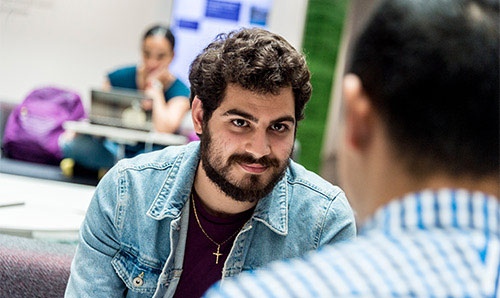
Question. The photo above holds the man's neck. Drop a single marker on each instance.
(386, 178)
(214, 200)
(400, 185)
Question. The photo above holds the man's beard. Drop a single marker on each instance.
(253, 190)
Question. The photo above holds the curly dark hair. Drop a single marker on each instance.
(255, 59)
(432, 72)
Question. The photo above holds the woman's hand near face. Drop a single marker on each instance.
(154, 90)
(162, 75)
(144, 79)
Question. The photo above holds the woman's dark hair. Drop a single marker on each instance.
(431, 70)
(160, 30)
(255, 59)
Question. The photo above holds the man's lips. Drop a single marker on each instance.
(253, 168)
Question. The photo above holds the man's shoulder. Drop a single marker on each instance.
(368, 265)
(155, 177)
(299, 176)
(159, 159)
(285, 278)
(315, 201)
(142, 170)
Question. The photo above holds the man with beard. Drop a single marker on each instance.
(173, 222)
(420, 160)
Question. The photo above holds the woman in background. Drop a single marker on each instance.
(168, 98)
(169, 95)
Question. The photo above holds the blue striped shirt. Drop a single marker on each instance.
(443, 243)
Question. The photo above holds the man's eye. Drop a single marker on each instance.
(240, 122)
(279, 127)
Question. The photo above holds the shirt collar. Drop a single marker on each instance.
(271, 210)
(443, 208)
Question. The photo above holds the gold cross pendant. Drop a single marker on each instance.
(217, 255)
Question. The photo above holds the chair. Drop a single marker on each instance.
(30, 169)
(33, 268)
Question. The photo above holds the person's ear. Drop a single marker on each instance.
(358, 114)
(197, 114)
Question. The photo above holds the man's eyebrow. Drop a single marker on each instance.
(242, 114)
(284, 119)
(252, 118)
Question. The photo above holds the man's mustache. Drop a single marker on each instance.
(246, 158)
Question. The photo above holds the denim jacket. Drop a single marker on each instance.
(133, 237)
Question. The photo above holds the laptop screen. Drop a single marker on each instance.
(119, 108)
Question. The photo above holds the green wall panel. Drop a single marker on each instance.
(321, 42)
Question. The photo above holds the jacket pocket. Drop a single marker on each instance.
(139, 275)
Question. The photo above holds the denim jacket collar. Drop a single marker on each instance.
(177, 185)
(271, 210)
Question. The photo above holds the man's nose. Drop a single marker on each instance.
(258, 144)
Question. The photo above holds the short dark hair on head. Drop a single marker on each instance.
(431, 70)
(163, 31)
(254, 59)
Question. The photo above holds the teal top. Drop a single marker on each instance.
(126, 78)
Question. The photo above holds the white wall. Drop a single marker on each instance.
(69, 43)
(74, 43)
(288, 18)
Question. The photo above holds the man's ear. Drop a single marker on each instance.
(358, 114)
(197, 114)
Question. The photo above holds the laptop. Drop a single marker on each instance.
(119, 107)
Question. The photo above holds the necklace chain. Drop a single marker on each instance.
(203, 230)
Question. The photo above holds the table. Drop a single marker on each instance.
(124, 136)
(39, 208)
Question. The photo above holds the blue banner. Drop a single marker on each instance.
(187, 24)
(223, 10)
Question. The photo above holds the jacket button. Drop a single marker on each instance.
(138, 281)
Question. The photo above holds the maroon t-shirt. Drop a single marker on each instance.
(199, 268)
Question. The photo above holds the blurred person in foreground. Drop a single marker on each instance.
(419, 162)
(173, 222)
(167, 99)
